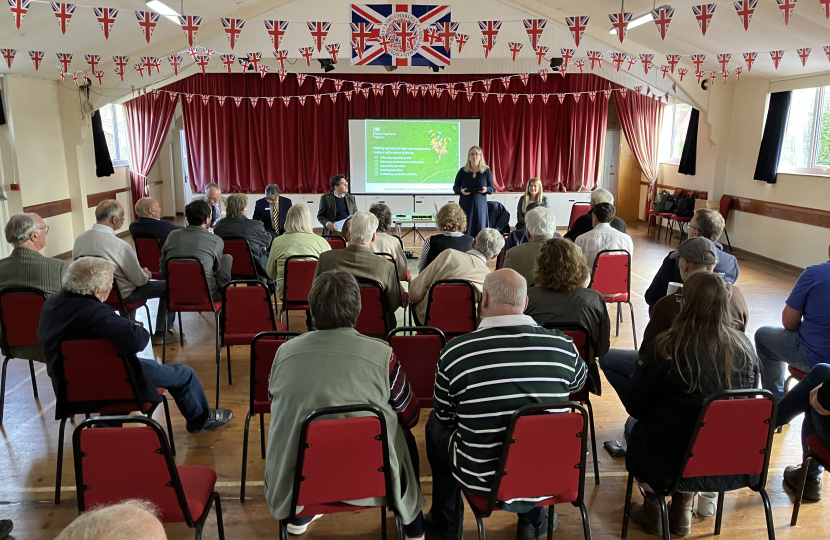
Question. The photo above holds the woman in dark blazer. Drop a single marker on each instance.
(473, 183)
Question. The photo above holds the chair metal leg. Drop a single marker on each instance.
(164, 342)
(799, 494)
(633, 325)
(648, 230)
(768, 512)
(719, 513)
(586, 526)
(283, 529)
(627, 507)
(383, 522)
(262, 434)
(399, 526)
(3, 389)
(60, 462)
(218, 357)
(479, 523)
(149, 320)
(230, 377)
(593, 439)
(664, 513)
(181, 331)
(169, 424)
(619, 311)
(199, 527)
(244, 457)
(34, 379)
(550, 522)
(727, 240)
(220, 525)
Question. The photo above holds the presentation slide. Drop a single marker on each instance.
(411, 157)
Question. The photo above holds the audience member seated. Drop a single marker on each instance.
(236, 224)
(272, 210)
(336, 205)
(603, 236)
(213, 196)
(452, 224)
(700, 354)
(585, 223)
(128, 520)
(812, 399)
(533, 193)
(454, 264)
(149, 221)
(79, 309)
(519, 236)
(541, 226)
(133, 280)
(360, 261)
(298, 239)
(482, 378)
(708, 224)
(197, 242)
(386, 243)
(335, 365)
(804, 341)
(560, 296)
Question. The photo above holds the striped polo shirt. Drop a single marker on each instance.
(485, 376)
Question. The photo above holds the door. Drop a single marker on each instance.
(610, 169)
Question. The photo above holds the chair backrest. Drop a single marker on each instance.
(733, 435)
(19, 316)
(578, 209)
(342, 459)
(243, 260)
(725, 204)
(148, 251)
(703, 196)
(113, 464)
(372, 318)
(187, 287)
(580, 335)
(612, 272)
(451, 306)
(298, 276)
(335, 241)
(246, 311)
(500, 258)
(418, 355)
(263, 350)
(115, 299)
(388, 256)
(678, 191)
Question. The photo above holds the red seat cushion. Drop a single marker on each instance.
(262, 407)
(132, 306)
(408, 274)
(405, 296)
(819, 449)
(796, 373)
(295, 307)
(680, 218)
(666, 215)
(198, 483)
(618, 298)
(156, 275)
(178, 308)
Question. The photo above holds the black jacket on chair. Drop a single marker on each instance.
(262, 213)
(251, 230)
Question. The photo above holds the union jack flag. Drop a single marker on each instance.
(566, 54)
(138, 67)
(577, 26)
(193, 52)
(65, 59)
(430, 36)
(620, 22)
(281, 56)
(617, 59)
(232, 27)
(540, 53)
(697, 60)
(489, 31)
(307, 53)
(263, 69)
(333, 50)
(254, 59)
(776, 57)
(703, 13)
(100, 76)
(749, 58)
(19, 9)
(673, 60)
(594, 57)
(283, 74)
(826, 52)
(682, 72)
(646, 60)
(37, 58)
(515, 48)
(662, 18)
(445, 33)
(745, 9)
(580, 64)
(319, 31)
(738, 71)
(631, 61)
(190, 25)
(723, 60)
(63, 13)
(393, 34)
(8, 54)
(106, 18)
(175, 61)
(276, 29)
(93, 60)
(147, 20)
(462, 40)
(228, 60)
(786, 7)
(802, 53)
(576, 97)
(202, 61)
(665, 69)
(534, 29)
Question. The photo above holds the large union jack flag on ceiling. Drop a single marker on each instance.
(401, 49)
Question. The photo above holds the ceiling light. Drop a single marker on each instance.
(164, 10)
(641, 20)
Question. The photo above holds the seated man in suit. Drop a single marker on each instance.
(79, 309)
(236, 224)
(337, 205)
(149, 222)
(197, 242)
(454, 264)
(272, 209)
(540, 224)
(585, 223)
(359, 260)
(213, 196)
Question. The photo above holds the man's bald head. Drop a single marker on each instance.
(505, 293)
(148, 207)
(110, 213)
(129, 520)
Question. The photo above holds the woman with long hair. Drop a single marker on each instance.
(533, 193)
(473, 183)
(700, 354)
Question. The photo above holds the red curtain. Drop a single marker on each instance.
(148, 119)
(301, 147)
(641, 118)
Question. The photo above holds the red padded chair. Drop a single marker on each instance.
(188, 292)
(611, 277)
(795, 375)
(451, 307)
(321, 481)
(335, 241)
(148, 251)
(578, 209)
(680, 220)
(725, 205)
(243, 260)
(400, 241)
(182, 493)
(545, 460)
(404, 294)
(19, 317)
(733, 436)
(116, 301)
(263, 350)
(583, 341)
(298, 276)
(418, 355)
(372, 318)
(91, 377)
(667, 215)
(818, 451)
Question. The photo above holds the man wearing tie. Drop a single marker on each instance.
(272, 209)
(213, 196)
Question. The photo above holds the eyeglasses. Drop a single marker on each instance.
(343, 184)
(46, 228)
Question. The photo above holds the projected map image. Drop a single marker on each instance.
(412, 152)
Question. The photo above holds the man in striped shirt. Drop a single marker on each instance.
(482, 379)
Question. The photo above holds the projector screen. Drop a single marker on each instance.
(409, 157)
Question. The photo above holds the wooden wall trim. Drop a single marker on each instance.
(659, 186)
(798, 214)
(94, 199)
(155, 183)
(50, 209)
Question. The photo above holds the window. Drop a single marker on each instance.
(115, 130)
(806, 147)
(673, 132)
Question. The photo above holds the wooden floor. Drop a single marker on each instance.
(30, 435)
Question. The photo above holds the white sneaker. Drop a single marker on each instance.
(422, 537)
(300, 529)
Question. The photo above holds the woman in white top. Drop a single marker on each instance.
(533, 193)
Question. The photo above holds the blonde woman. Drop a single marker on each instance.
(533, 193)
(473, 183)
(298, 239)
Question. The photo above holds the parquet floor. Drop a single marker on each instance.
(30, 434)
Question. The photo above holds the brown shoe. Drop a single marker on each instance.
(812, 488)
(680, 513)
(648, 514)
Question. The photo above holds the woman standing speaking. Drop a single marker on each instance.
(473, 183)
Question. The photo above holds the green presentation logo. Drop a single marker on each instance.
(412, 152)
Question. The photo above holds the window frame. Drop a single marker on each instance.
(812, 168)
(117, 160)
(667, 157)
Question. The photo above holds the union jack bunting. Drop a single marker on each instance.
(106, 18)
(662, 18)
(630, 60)
(580, 64)
(461, 40)
(19, 9)
(453, 92)
(561, 98)
(394, 34)
(208, 52)
(682, 72)
(263, 69)
(776, 57)
(283, 74)
(254, 59)
(37, 58)
(189, 98)
(489, 31)
(515, 48)
(595, 57)
(646, 59)
(175, 61)
(544, 74)
(534, 29)
(545, 98)
(270, 101)
(232, 27)
(307, 53)
(319, 31)
(320, 82)
(620, 22)
(121, 62)
(592, 95)
(430, 35)
(577, 26)
(486, 84)
(802, 53)
(500, 97)
(703, 13)
(238, 101)
(485, 42)
(826, 4)
(786, 7)
(286, 101)
(505, 82)
(63, 13)
(515, 98)
(65, 59)
(576, 97)
(8, 54)
(190, 25)
(244, 63)
(749, 58)
(623, 92)
(227, 61)
(566, 55)
(281, 56)
(221, 100)
(301, 99)
(541, 52)
(699, 75)
(377, 89)
(202, 62)
(723, 60)
(745, 9)
(738, 71)
(617, 59)
(529, 99)
(93, 60)
(697, 60)
(147, 20)
(75, 78)
(333, 50)
(826, 52)
(673, 60)
(665, 69)
(276, 30)
(524, 78)
(138, 67)
(193, 52)
(446, 33)
(300, 79)
(205, 100)
(674, 88)
(100, 76)
(338, 85)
